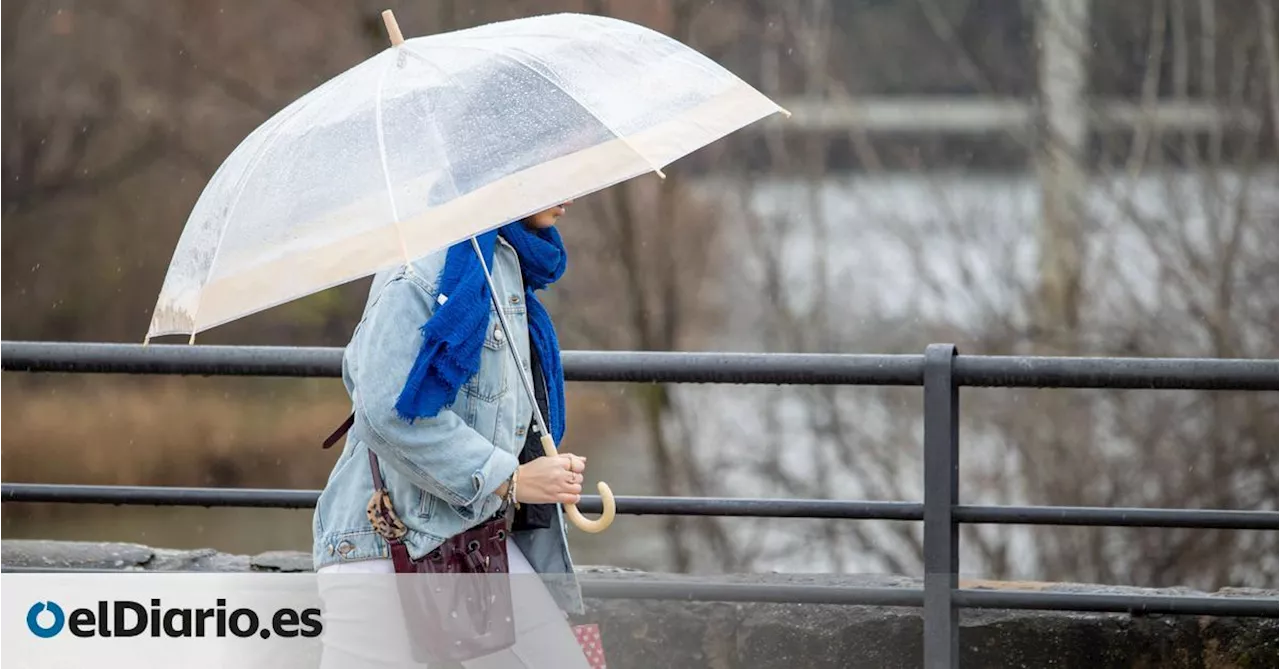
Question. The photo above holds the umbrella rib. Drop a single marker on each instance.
(448, 171)
(566, 91)
(382, 154)
(267, 143)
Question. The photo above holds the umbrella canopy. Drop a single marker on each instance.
(432, 141)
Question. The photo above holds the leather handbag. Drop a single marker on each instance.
(457, 606)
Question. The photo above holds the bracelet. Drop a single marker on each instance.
(510, 497)
(511, 491)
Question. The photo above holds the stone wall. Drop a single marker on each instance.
(671, 634)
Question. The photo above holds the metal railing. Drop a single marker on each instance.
(941, 371)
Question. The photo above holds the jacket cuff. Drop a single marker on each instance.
(495, 470)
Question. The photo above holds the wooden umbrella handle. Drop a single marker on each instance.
(575, 516)
(393, 28)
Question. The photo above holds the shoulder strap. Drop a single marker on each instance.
(373, 459)
(377, 473)
(342, 429)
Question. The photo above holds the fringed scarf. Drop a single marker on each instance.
(455, 333)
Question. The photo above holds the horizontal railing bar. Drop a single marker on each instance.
(681, 506)
(304, 499)
(1262, 607)
(759, 508)
(274, 498)
(1205, 519)
(599, 366)
(105, 358)
(1119, 373)
(743, 368)
(677, 367)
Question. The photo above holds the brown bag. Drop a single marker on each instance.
(458, 606)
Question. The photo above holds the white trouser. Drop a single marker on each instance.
(363, 627)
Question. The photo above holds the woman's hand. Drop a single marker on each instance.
(551, 479)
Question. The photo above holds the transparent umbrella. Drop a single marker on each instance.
(434, 140)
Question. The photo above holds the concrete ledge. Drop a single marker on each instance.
(674, 634)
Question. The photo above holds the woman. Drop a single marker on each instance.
(439, 401)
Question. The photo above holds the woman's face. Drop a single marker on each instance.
(548, 217)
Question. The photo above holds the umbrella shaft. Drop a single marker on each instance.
(511, 343)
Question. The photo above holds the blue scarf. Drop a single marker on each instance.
(454, 335)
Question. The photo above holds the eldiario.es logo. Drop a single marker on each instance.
(125, 618)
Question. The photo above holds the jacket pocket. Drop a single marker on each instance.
(490, 383)
(426, 505)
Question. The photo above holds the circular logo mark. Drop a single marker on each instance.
(45, 631)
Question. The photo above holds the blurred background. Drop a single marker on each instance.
(1058, 177)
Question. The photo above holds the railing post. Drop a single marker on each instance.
(941, 495)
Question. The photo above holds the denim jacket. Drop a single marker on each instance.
(441, 472)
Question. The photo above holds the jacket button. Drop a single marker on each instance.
(515, 299)
(345, 547)
(330, 549)
(497, 334)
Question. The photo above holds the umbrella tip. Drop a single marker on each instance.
(393, 28)
(784, 112)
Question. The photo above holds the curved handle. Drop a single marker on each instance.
(575, 516)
